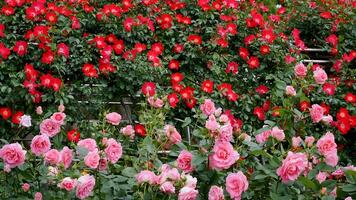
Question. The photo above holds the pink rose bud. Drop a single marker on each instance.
(38, 196)
(39, 110)
(61, 108)
(290, 91)
(25, 187)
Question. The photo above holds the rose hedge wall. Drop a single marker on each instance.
(223, 104)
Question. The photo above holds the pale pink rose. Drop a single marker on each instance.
(296, 141)
(190, 181)
(245, 137)
(208, 108)
(49, 127)
(13, 155)
(331, 159)
(292, 166)
(113, 150)
(263, 137)
(184, 161)
(52, 157)
(187, 193)
(25, 121)
(338, 173)
(225, 133)
(333, 192)
(68, 184)
(236, 184)
(61, 108)
(165, 168)
(309, 140)
(38, 196)
(315, 160)
(277, 133)
(92, 159)
(39, 110)
(212, 124)
(58, 117)
(128, 131)
(155, 102)
(327, 119)
(40, 144)
(290, 91)
(348, 198)
(316, 113)
(350, 167)
(320, 76)
(223, 156)
(52, 171)
(173, 174)
(326, 144)
(113, 118)
(172, 134)
(321, 176)
(218, 112)
(167, 187)
(216, 193)
(224, 119)
(85, 186)
(300, 70)
(146, 176)
(25, 187)
(103, 164)
(7, 168)
(66, 157)
(88, 143)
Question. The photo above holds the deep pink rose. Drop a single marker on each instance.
(263, 137)
(52, 157)
(89, 144)
(277, 133)
(38, 196)
(50, 127)
(188, 193)
(326, 144)
(85, 186)
(68, 184)
(184, 161)
(290, 91)
(40, 144)
(292, 166)
(216, 193)
(113, 150)
(92, 159)
(25, 187)
(146, 176)
(172, 134)
(208, 108)
(316, 113)
(167, 187)
(320, 76)
(66, 157)
(13, 155)
(113, 118)
(223, 156)
(236, 184)
(300, 70)
(58, 117)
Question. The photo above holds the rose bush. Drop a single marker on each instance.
(224, 104)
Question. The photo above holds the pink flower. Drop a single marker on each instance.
(290, 91)
(146, 176)
(236, 184)
(321, 177)
(263, 137)
(320, 76)
(187, 193)
(92, 159)
(155, 102)
(66, 157)
(40, 144)
(212, 124)
(58, 117)
(309, 140)
(49, 127)
(172, 134)
(327, 119)
(300, 70)
(25, 121)
(208, 108)
(190, 181)
(350, 167)
(52, 157)
(68, 184)
(61, 108)
(277, 133)
(331, 159)
(167, 187)
(348, 198)
(225, 133)
(85, 186)
(103, 164)
(113, 150)
(25, 187)
(173, 174)
(128, 131)
(184, 161)
(223, 156)
(292, 166)
(38, 196)
(216, 193)
(326, 144)
(13, 155)
(113, 118)
(316, 113)
(338, 173)
(39, 110)
(296, 141)
(88, 143)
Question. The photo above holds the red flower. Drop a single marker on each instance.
(243, 52)
(259, 113)
(187, 92)
(326, 108)
(16, 117)
(343, 113)
(177, 87)
(329, 89)
(195, 39)
(173, 99)
(207, 86)
(253, 62)
(343, 126)
(266, 105)
(118, 47)
(265, 50)
(140, 130)
(30, 72)
(177, 77)
(128, 23)
(232, 67)
(351, 98)
(224, 88)
(73, 135)
(56, 84)
(190, 103)
(332, 39)
(51, 17)
(46, 80)
(268, 35)
(139, 47)
(4, 51)
(276, 111)
(249, 39)
(178, 48)
(63, 49)
(157, 48)
(304, 106)
(2, 29)
(5, 113)
(148, 89)
(173, 65)
(231, 95)
(20, 48)
(89, 70)
(326, 15)
(47, 57)
(262, 89)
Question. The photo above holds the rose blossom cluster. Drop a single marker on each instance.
(317, 113)
(327, 147)
(275, 132)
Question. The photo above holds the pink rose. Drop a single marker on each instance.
(338, 173)
(66, 157)
(212, 124)
(13, 155)
(225, 133)
(25, 187)
(155, 102)
(61, 108)
(146, 176)
(320, 76)
(296, 141)
(309, 141)
(68, 184)
(236, 184)
(331, 159)
(113, 150)
(103, 164)
(216, 193)
(316, 113)
(25, 121)
(348, 198)
(92, 159)
(58, 117)
(50, 127)
(223, 156)
(292, 166)
(208, 108)
(277, 133)
(172, 134)
(263, 137)
(38, 196)
(321, 177)
(39, 110)
(350, 167)
(326, 144)
(167, 187)
(40, 144)
(327, 119)
(128, 131)
(85, 186)
(187, 193)
(190, 181)
(184, 161)
(290, 91)
(113, 118)
(52, 157)
(88, 143)
(300, 70)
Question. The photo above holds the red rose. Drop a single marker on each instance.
(73, 135)
(140, 130)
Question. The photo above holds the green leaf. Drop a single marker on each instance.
(187, 121)
(198, 159)
(307, 183)
(349, 188)
(129, 172)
